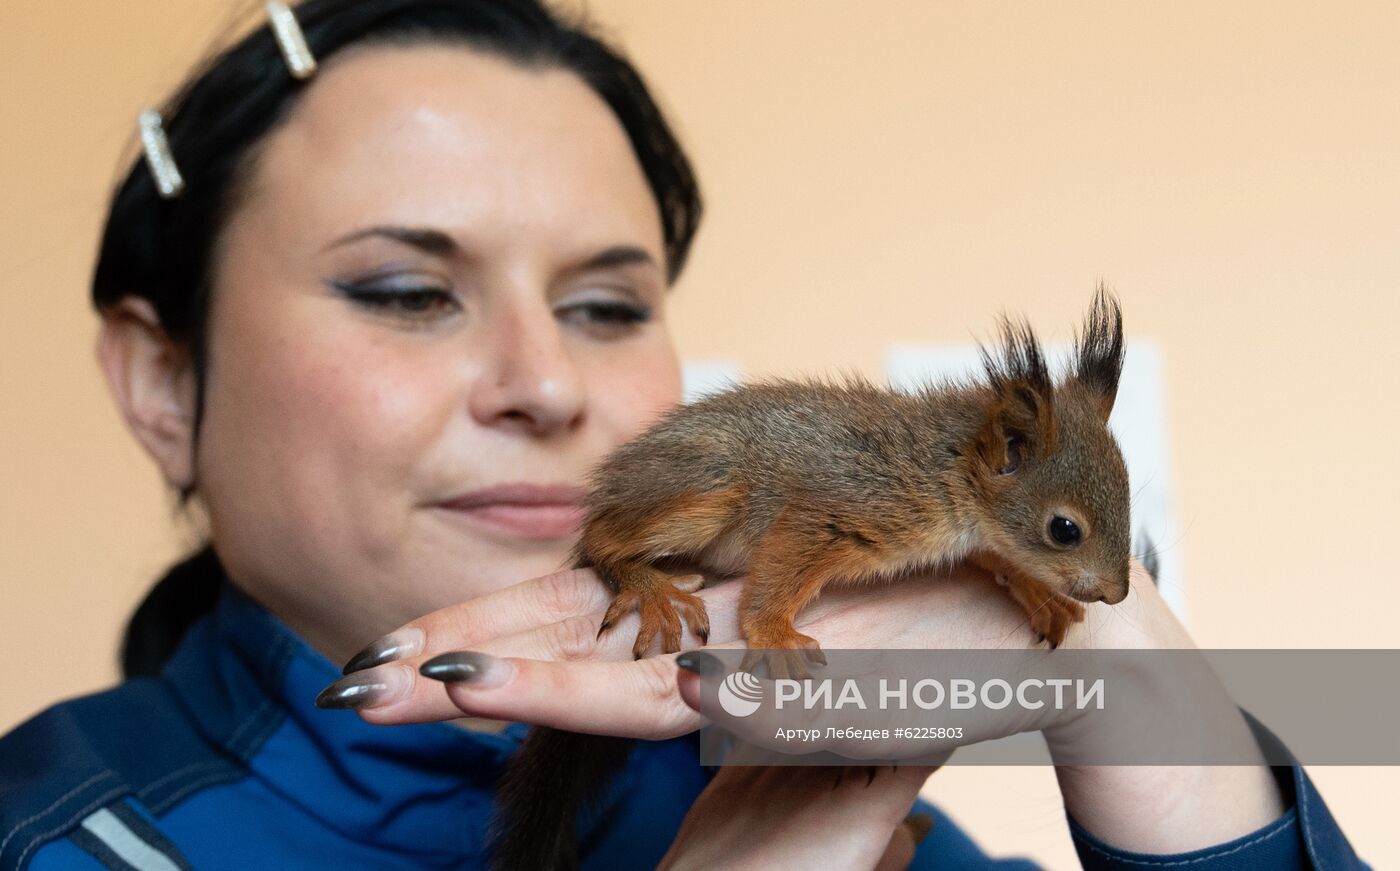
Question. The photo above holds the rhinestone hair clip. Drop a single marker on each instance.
(300, 62)
(169, 182)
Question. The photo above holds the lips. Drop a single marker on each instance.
(522, 510)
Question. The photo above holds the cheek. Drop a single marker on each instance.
(313, 436)
(629, 392)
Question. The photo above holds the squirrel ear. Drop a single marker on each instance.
(1021, 416)
(1020, 427)
(1098, 351)
(1003, 453)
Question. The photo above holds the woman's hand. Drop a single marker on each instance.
(810, 817)
(799, 818)
(1162, 809)
(534, 657)
(535, 654)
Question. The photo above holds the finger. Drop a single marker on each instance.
(396, 693)
(470, 624)
(627, 698)
(900, 851)
(688, 685)
(773, 729)
(630, 699)
(402, 694)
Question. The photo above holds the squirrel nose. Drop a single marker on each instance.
(1118, 594)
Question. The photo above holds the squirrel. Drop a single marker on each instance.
(801, 484)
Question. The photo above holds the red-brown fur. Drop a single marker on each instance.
(799, 485)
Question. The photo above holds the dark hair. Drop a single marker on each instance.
(161, 249)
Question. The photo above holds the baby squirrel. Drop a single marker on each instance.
(802, 484)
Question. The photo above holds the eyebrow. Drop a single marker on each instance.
(619, 255)
(431, 241)
(441, 244)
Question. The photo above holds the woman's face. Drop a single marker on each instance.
(445, 282)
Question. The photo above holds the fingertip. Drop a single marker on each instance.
(899, 854)
(688, 683)
(918, 825)
(700, 662)
(480, 671)
(403, 643)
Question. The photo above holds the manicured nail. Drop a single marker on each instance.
(365, 689)
(700, 662)
(479, 670)
(919, 825)
(399, 644)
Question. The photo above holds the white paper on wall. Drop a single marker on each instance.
(1138, 422)
(708, 376)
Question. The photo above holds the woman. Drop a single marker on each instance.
(397, 311)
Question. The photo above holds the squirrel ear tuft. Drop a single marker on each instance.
(1021, 417)
(1098, 350)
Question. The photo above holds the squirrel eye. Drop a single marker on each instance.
(1064, 531)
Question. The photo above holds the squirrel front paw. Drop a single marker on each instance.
(787, 653)
(1052, 620)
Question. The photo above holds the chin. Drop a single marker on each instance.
(488, 569)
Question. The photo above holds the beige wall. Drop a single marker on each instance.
(876, 172)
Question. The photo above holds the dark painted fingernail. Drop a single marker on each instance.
(480, 670)
(364, 689)
(399, 644)
(700, 662)
(919, 825)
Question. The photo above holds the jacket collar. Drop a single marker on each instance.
(250, 683)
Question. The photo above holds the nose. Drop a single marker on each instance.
(1117, 592)
(529, 381)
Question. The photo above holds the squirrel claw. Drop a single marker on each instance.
(782, 664)
(661, 608)
(1053, 619)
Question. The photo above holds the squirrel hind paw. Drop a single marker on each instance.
(661, 610)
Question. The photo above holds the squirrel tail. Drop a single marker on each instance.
(552, 777)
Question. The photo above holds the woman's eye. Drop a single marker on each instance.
(613, 314)
(409, 302)
(1063, 531)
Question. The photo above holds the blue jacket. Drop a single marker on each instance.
(223, 762)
